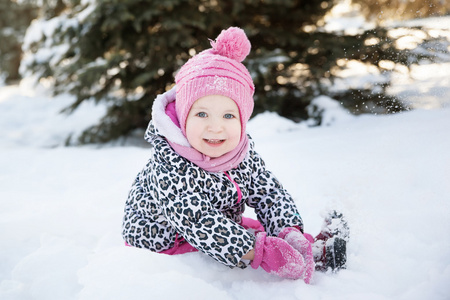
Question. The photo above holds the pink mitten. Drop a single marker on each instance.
(300, 243)
(251, 223)
(276, 256)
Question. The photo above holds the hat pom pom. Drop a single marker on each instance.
(232, 43)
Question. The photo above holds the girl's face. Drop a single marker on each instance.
(213, 125)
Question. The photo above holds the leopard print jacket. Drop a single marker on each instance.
(173, 197)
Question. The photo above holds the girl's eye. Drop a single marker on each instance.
(201, 115)
(228, 116)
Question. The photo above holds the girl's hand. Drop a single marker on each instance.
(277, 257)
(298, 241)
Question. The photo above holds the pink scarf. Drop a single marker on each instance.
(223, 163)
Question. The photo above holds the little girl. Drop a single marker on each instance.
(203, 171)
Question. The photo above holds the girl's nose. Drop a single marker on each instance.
(215, 125)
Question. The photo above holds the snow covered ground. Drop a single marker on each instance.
(61, 207)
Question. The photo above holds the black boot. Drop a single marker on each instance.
(330, 246)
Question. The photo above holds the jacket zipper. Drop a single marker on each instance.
(237, 187)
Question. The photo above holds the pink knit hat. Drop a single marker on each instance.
(217, 71)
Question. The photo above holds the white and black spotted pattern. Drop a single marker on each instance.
(172, 195)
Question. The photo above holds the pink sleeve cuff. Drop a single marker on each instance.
(287, 230)
(259, 249)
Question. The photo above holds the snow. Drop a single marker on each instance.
(61, 207)
(33, 118)
(40, 29)
(345, 17)
(426, 86)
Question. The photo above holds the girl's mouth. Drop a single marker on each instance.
(214, 141)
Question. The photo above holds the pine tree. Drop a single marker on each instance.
(14, 20)
(126, 52)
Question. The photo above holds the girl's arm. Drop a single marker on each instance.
(190, 212)
(250, 255)
(273, 205)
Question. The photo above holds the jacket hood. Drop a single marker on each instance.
(161, 124)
